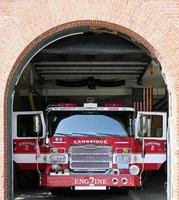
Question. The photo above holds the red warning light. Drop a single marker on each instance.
(114, 105)
(67, 104)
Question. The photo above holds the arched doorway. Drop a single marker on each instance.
(59, 35)
(140, 25)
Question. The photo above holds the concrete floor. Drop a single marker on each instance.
(153, 190)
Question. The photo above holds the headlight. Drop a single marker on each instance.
(58, 158)
(123, 158)
(55, 167)
(123, 161)
(134, 170)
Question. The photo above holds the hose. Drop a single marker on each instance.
(31, 100)
(37, 157)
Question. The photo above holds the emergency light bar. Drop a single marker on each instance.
(58, 108)
(67, 104)
(90, 105)
(114, 105)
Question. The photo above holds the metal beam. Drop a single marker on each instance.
(77, 76)
(85, 74)
(91, 51)
(90, 68)
(89, 72)
(86, 92)
(99, 59)
(89, 63)
(139, 80)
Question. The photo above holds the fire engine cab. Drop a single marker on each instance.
(89, 147)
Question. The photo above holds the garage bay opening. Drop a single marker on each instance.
(90, 113)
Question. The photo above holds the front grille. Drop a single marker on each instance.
(90, 158)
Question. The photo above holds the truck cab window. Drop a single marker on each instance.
(154, 126)
(25, 126)
(92, 125)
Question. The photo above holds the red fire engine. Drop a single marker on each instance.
(89, 147)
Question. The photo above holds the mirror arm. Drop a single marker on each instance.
(46, 139)
(143, 152)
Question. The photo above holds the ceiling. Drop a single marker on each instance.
(98, 56)
(95, 65)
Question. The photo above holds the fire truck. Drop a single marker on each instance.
(89, 147)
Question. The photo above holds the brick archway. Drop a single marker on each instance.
(138, 20)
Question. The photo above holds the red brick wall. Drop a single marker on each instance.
(24, 23)
(169, 7)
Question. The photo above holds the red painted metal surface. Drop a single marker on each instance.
(152, 146)
(51, 181)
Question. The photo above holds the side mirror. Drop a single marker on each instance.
(36, 124)
(143, 125)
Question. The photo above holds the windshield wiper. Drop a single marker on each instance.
(64, 134)
(75, 134)
(107, 134)
(85, 134)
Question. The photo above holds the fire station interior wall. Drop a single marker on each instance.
(81, 95)
(105, 62)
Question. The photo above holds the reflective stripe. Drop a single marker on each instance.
(149, 158)
(135, 158)
(90, 109)
(31, 158)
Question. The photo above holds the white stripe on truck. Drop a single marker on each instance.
(134, 158)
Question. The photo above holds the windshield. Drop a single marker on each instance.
(90, 124)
